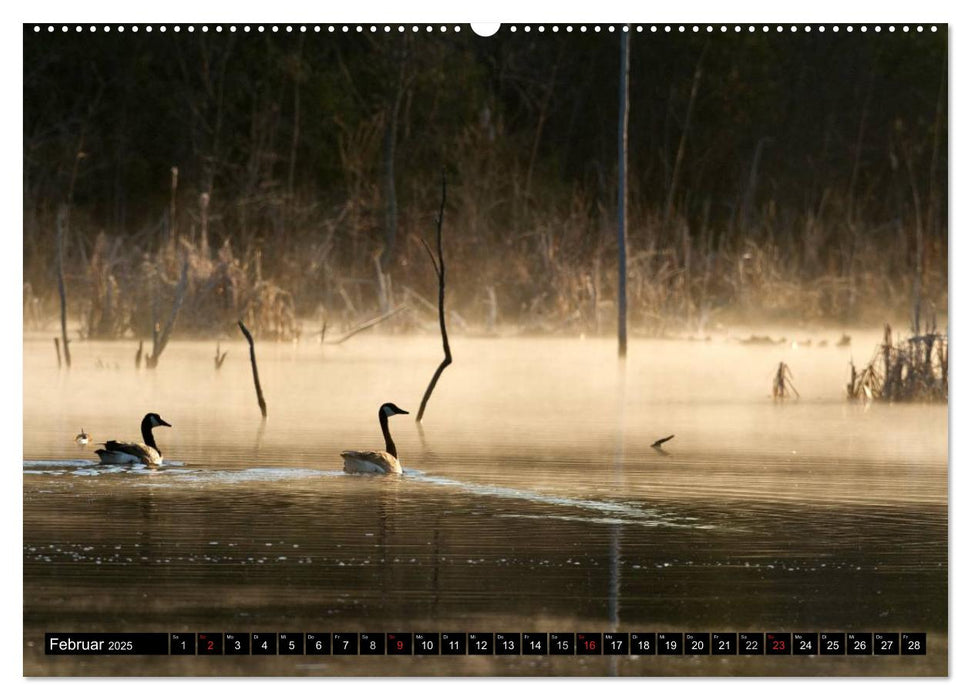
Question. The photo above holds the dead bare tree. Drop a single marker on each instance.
(256, 373)
(160, 340)
(672, 188)
(439, 266)
(362, 327)
(624, 114)
(57, 347)
(138, 355)
(62, 215)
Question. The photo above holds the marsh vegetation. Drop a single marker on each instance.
(770, 178)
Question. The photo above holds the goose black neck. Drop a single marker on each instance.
(147, 436)
(388, 442)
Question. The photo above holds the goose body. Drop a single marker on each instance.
(145, 452)
(379, 462)
(82, 438)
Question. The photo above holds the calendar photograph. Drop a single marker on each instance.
(449, 350)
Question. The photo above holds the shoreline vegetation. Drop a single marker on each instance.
(213, 179)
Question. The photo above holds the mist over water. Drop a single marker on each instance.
(531, 497)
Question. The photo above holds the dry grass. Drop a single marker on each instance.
(910, 369)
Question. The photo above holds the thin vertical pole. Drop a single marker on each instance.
(622, 196)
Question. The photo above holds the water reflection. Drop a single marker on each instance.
(532, 498)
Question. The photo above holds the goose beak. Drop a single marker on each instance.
(161, 421)
(402, 411)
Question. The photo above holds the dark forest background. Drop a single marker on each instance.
(270, 176)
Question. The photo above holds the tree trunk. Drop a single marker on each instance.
(622, 196)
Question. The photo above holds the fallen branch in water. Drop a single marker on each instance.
(439, 266)
(364, 326)
(256, 374)
(657, 443)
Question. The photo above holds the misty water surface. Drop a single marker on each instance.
(532, 500)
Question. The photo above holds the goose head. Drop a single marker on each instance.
(154, 420)
(389, 409)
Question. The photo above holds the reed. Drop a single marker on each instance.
(914, 368)
(782, 386)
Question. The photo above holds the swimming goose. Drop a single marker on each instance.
(377, 462)
(82, 438)
(146, 452)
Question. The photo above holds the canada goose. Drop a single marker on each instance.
(377, 462)
(146, 452)
(82, 438)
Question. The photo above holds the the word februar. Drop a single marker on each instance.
(69, 644)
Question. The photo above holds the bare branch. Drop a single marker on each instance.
(256, 374)
(440, 269)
